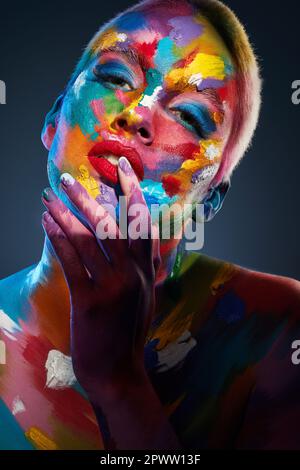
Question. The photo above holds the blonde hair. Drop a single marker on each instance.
(248, 82)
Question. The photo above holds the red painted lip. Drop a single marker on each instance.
(108, 170)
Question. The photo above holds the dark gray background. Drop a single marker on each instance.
(40, 43)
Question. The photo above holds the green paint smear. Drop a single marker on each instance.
(154, 79)
(76, 110)
(112, 104)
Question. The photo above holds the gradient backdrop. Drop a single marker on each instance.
(40, 43)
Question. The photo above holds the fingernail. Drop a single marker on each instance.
(46, 217)
(67, 179)
(125, 166)
(48, 194)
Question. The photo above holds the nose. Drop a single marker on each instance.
(139, 126)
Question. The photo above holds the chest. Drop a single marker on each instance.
(42, 410)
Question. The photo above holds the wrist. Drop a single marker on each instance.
(125, 388)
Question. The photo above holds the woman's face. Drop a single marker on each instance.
(159, 88)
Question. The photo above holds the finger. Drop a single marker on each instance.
(82, 239)
(74, 271)
(139, 218)
(98, 217)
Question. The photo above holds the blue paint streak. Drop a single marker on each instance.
(165, 58)
(130, 21)
(150, 355)
(154, 193)
(11, 298)
(230, 308)
(11, 434)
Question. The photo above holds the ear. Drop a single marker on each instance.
(214, 199)
(50, 124)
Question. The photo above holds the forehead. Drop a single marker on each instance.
(179, 42)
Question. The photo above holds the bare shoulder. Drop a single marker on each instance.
(261, 291)
(12, 308)
(268, 292)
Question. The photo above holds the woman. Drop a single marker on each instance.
(169, 349)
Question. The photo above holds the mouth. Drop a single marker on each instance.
(104, 157)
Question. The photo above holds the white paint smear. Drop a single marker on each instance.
(212, 152)
(60, 373)
(18, 406)
(7, 324)
(149, 100)
(196, 79)
(79, 82)
(175, 352)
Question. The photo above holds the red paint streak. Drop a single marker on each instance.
(98, 109)
(48, 136)
(187, 151)
(171, 185)
(147, 50)
(69, 406)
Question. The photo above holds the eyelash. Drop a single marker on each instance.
(190, 120)
(203, 126)
(108, 78)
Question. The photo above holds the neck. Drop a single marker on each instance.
(49, 294)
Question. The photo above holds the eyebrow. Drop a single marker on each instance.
(214, 98)
(131, 55)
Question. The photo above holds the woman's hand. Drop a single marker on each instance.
(111, 284)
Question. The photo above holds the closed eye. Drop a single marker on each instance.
(195, 118)
(114, 75)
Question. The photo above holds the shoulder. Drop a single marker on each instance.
(267, 292)
(13, 302)
(261, 292)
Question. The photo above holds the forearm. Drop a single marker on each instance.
(133, 418)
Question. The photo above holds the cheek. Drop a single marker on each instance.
(70, 146)
(172, 136)
(181, 161)
(196, 171)
(172, 146)
(90, 106)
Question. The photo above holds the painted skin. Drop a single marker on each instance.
(148, 100)
(217, 329)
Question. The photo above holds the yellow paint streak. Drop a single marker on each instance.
(133, 117)
(88, 182)
(75, 439)
(210, 41)
(210, 66)
(224, 274)
(75, 150)
(107, 39)
(40, 440)
(218, 117)
(199, 161)
(203, 55)
(172, 327)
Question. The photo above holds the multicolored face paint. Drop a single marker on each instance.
(157, 87)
